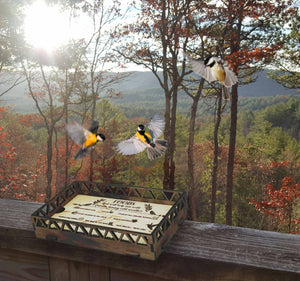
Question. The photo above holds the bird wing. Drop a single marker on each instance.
(156, 126)
(231, 77)
(131, 146)
(94, 127)
(199, 68)
(77, 133)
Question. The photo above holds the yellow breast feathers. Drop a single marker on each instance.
(145, 138)
(221, 75)
(91, 139)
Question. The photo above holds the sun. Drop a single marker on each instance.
(46, 27)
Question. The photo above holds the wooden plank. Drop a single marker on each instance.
(15, 265)
(59, 269)
(78, 271)
(64, 270)
(123, 275)
(170, 267)
(265, 249)
(203, 273)
(198, 250)
(16, 213)
(99, 273)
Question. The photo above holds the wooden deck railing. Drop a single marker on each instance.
(198, 251)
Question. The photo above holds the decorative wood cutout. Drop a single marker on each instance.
(122, 219)
(130, 215)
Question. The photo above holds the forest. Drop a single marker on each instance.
(238, 159)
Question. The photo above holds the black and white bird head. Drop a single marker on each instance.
(100, 137)
(141, 129)
(211, 61)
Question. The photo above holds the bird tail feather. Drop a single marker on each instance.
(156, 151)
(82, 152)
(226, 94)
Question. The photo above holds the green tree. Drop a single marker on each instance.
(288, 61)
(285, 115)
(107, 113)
(11, 44)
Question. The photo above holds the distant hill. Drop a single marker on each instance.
(263, 86)
(17, 99)
(142, 89)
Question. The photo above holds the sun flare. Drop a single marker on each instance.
(46, 27)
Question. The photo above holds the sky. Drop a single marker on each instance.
(48, 27)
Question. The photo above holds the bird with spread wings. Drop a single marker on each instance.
(146, 137)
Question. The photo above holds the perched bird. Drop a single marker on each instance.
(86, 138)
(214, 69)
(146, 137)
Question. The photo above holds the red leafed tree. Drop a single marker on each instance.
(280, 204)
(21, 168)
(7, 157)
(249, 36)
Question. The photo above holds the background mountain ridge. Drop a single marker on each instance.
(142, 88)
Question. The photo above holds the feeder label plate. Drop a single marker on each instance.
(122, 214)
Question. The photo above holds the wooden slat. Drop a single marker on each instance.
(15, 265)
(99, 273)
(59, 269)
(237, 245)
(123, 275)
(16, 214)
(78, 271)
(198, 251)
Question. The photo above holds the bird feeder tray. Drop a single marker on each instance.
(126, 220)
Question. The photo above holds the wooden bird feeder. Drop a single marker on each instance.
(127, 220)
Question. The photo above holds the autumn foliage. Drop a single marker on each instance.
(280, 203)
(37, 156)
(18, 178)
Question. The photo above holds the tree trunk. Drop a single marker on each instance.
(67, 155)
(192, 211)
(166, 178)
(169, 164)
(231, 153)
(192, 185)
(168, 95)
(215, 161)
(234, 47)
(173, 137)
(92, 150)
(56, 170)
(49, 162)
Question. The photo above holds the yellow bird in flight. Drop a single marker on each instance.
(86, 138)
(146, 137)
(214, 69)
